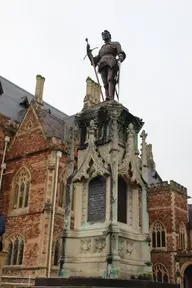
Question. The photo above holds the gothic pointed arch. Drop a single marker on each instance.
(160, 273)
(93, 164)
(129, 166)
(158, 235)
(21, 188)
(15, 244)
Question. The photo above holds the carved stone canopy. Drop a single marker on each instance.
(129, 166)
(93, 163)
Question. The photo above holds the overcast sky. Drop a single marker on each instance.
(48, 37)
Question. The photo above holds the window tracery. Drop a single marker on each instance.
(21, 189)
(160, 273)
(15, 251)
(158, 235)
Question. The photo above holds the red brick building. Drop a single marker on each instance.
(34, 147)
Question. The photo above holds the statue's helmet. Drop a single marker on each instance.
(106, 34)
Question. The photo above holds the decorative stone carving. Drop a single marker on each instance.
(144, 148)
(129, 165)
(129, 247)
(100, 245)
(92, 160)
(126, 247)
(121, 248)
(48, 206)
(85, 246)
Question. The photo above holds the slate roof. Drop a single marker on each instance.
(14, 102)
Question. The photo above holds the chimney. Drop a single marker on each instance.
(39, 89)
(92, 94)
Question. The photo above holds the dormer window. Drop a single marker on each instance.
(24, 102)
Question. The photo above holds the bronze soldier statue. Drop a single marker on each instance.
(107, 62)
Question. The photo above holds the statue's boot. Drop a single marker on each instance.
(111, 90)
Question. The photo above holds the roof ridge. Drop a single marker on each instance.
(16, 85)
(33, 96)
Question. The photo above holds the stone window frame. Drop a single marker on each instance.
(15, 246)
(160, 268)
(21, 191)
(182, 237)
(156, 227)
(57, 250)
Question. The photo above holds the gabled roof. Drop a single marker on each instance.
(15, 100)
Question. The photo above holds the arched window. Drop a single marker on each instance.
(57, 252)
(182, 236)
(122, 200)
(160, 273)
(15, 251)
(158, 235)
(21, 189)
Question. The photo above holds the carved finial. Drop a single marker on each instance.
(144, 155)
(92, 124)
(91, 133)
(150, 160)
(143, 135)
(130, 129)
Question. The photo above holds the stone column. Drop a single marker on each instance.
(135, 209)
(114, 153)
(78, 204)
(145, 219)
(112, 260)
(145, 216)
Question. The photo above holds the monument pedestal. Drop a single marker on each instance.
(111, 219)
(97, 282)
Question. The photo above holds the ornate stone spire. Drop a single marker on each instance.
(91, 133)
(130, 139)
(144, 155)
(150, 160)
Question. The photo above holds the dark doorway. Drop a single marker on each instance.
(188, 277)
(122, 200)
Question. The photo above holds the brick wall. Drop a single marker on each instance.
(30, 149)
(167, 203)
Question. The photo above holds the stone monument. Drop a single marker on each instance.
(110, 236)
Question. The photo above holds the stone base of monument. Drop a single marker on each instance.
(87, 251)
(98, 282)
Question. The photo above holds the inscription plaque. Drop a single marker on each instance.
(97, 199)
